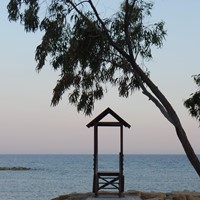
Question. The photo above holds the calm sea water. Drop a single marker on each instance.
(54, 175)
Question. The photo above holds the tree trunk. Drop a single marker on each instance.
(188, 149)
(172, 114)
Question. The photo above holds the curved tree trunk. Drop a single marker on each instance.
(173, 116)
(188, 148)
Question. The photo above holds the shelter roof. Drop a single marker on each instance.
(96, 120)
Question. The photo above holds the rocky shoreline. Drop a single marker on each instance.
(14, 168)
(138, 195)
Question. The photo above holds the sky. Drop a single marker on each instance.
(29, 125)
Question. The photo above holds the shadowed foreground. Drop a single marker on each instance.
(133, 195)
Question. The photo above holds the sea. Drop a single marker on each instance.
(54, 175)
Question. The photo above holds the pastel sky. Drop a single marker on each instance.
(29, 125)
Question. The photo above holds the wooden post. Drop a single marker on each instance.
(95, 178)
(121, 159)
(120, 152)
(121, 139)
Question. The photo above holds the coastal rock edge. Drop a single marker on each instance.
(139, 195)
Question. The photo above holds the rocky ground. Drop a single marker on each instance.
(136, 195)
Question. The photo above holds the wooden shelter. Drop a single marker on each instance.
(108, 179)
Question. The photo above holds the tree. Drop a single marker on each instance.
(91, 51)
(193, 103)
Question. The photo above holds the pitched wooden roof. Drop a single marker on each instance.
(96, 120)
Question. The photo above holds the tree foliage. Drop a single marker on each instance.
(79, 46)
(193, 103)
(91, 51)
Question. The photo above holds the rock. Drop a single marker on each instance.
(74, 196)
(153, 195)
(184, 195)
(190, 197)
(134, 192)
(14, 168)
(179, 197)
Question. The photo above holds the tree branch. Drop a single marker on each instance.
(157, 103)
(128, 11)
(112, 43)
(77, 10)
(139, 74)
